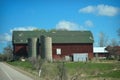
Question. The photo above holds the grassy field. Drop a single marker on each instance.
(95, 70)
(77, 70)
(20, 64)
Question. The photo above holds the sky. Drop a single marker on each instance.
(94, 15)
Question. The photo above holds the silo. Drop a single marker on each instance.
(32, 47)
(42, 46)
(46, 48)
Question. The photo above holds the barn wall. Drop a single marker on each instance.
(66, 49)
(69, 49)
(20, 50)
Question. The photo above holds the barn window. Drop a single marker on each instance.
(58, 51)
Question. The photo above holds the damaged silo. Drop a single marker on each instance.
(42, 45)
(33, 47)
(46, 48)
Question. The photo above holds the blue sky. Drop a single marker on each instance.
(94, 15)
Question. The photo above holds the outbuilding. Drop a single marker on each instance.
(64, 44)
(100, 52)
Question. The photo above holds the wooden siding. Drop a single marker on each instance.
(69, 49)
(66, 50)
(20, 50)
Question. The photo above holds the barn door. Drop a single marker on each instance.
(80, 57)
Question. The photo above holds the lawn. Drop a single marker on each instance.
(94, 70)
(89, 67)
(73, 69)
(25, 64)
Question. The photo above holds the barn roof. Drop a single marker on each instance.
(57, 36)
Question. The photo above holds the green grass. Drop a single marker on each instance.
(89, 68)
(112, 74)
(105, 70)
(25, 64)
(102, 66)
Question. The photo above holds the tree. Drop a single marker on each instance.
(114, 52)
(51, 30)
(41, 30)
(1, 57)
(114, 42)
(118, 31)
(8, 52)
(62, 73)
(102, 40)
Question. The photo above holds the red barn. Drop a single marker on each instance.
(65, 44)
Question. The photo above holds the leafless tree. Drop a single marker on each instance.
(8, 52)
(62, 71)
(114, 42)
(113, 52)
(103, 39)
(37, 64)
(118, 31)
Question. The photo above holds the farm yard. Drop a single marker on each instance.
(60, 39)
(108, 70)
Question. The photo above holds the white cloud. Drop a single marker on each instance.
(88, 9)
(67, 25)
(8, 36)
(103, 10)
(107, 10)
(89, 23)
(30, 28)
(5, 37)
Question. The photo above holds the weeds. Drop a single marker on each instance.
(74, 70)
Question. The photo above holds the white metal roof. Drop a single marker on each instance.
(99, 50)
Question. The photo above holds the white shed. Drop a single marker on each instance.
(100, 52)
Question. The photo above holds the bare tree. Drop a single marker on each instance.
(103, 39)
(37, 64)
(113, 52)
(118, 31)
(41, 30)
(1, 57)
(114, 42)
(8, 52)
(62, 71)
(51, 30)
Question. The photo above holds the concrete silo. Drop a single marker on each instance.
(42, 47)
(33, 47)
(46, 48)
